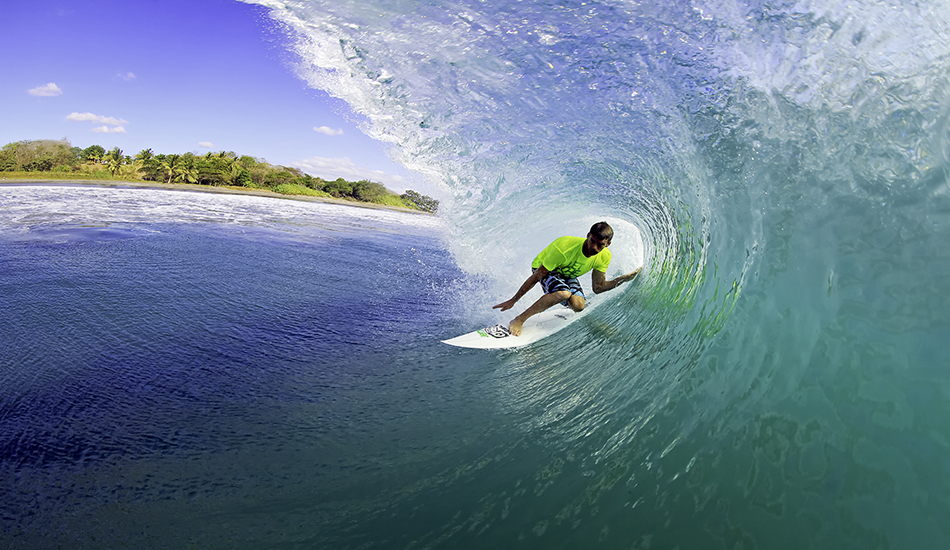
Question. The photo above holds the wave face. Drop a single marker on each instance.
(777, 377)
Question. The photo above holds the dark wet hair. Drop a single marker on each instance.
(602, 230)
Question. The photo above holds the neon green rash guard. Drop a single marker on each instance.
(566, 256)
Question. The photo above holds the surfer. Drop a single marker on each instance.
(557, 268)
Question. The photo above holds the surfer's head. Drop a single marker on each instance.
(602, 230)
(598, 239)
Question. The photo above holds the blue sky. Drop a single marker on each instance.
(174, 76)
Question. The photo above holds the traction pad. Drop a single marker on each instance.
(498, 331)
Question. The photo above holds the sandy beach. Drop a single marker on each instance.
(203, 189)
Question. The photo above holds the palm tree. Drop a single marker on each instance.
(170, 165)
(144, 155)
(114, 160)
(185, 171)
(238, 175)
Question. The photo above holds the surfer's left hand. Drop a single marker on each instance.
(631, 275)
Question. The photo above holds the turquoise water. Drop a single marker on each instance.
(775, 379)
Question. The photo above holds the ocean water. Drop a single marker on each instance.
(252, 373)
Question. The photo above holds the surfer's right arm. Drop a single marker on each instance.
(529, 283)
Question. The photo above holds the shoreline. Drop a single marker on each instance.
(190, 187)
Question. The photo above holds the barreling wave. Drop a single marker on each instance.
(785, 165)
(695, 123)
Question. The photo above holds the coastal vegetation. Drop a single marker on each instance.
(58, 159)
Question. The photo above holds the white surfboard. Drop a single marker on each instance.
(540, 326)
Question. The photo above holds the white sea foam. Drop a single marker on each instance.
(29, 207)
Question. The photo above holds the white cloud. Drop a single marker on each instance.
(129, 76)
(327, 131)
(46, 90)
(111, 125)
(89, 117)
(205, 144)
(333, 168)
(109, 130)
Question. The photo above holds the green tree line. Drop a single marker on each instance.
(58, 158)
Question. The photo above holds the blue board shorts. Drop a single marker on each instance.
(555, 282)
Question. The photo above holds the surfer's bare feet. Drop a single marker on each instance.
(515, 327)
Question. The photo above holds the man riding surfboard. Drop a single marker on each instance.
(557, 268)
